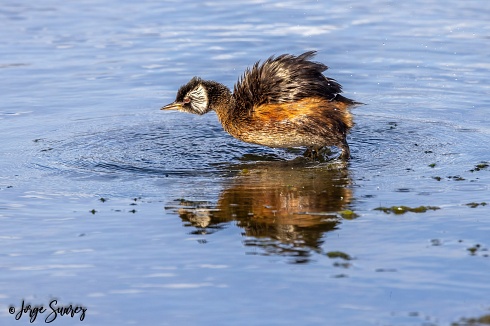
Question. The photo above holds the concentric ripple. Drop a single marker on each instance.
(198, 146)
(144, 148)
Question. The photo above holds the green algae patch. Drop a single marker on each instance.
(474, 249)
(338, 254)
(348, 214)
(480, 166)
(404, 209)
(474, 205)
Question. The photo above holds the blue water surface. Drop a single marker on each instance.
(149, 217)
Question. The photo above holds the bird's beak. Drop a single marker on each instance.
(173, 106)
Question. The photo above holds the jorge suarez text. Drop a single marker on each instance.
(52, 311)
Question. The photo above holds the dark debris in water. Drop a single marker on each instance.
(404, 209)
(474, 205)
(451, 177)
(342, 265)
(480, 166)
(385, 270)
(403, 190)
(456, 178)
(436, 242)
(475, 250)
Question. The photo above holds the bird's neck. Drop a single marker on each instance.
(223, 103)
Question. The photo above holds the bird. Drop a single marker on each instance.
(283, 102)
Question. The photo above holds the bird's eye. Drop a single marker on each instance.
(187, 100)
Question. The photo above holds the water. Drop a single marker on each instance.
(150, 217)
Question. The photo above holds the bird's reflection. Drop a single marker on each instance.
(284, 208)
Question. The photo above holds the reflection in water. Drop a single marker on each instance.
(480, 321)
(283, 207)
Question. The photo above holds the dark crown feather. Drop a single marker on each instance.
(184, 89)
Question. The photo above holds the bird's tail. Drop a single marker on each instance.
(348, 101)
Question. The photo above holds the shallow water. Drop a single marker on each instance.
(151, 217)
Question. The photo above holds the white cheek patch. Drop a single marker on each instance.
(199, 99)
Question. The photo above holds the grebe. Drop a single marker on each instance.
(284, 102)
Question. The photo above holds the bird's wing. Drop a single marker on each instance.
(283, 79)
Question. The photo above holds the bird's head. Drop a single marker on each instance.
(197, 96)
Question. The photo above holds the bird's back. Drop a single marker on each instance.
(285, 79)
